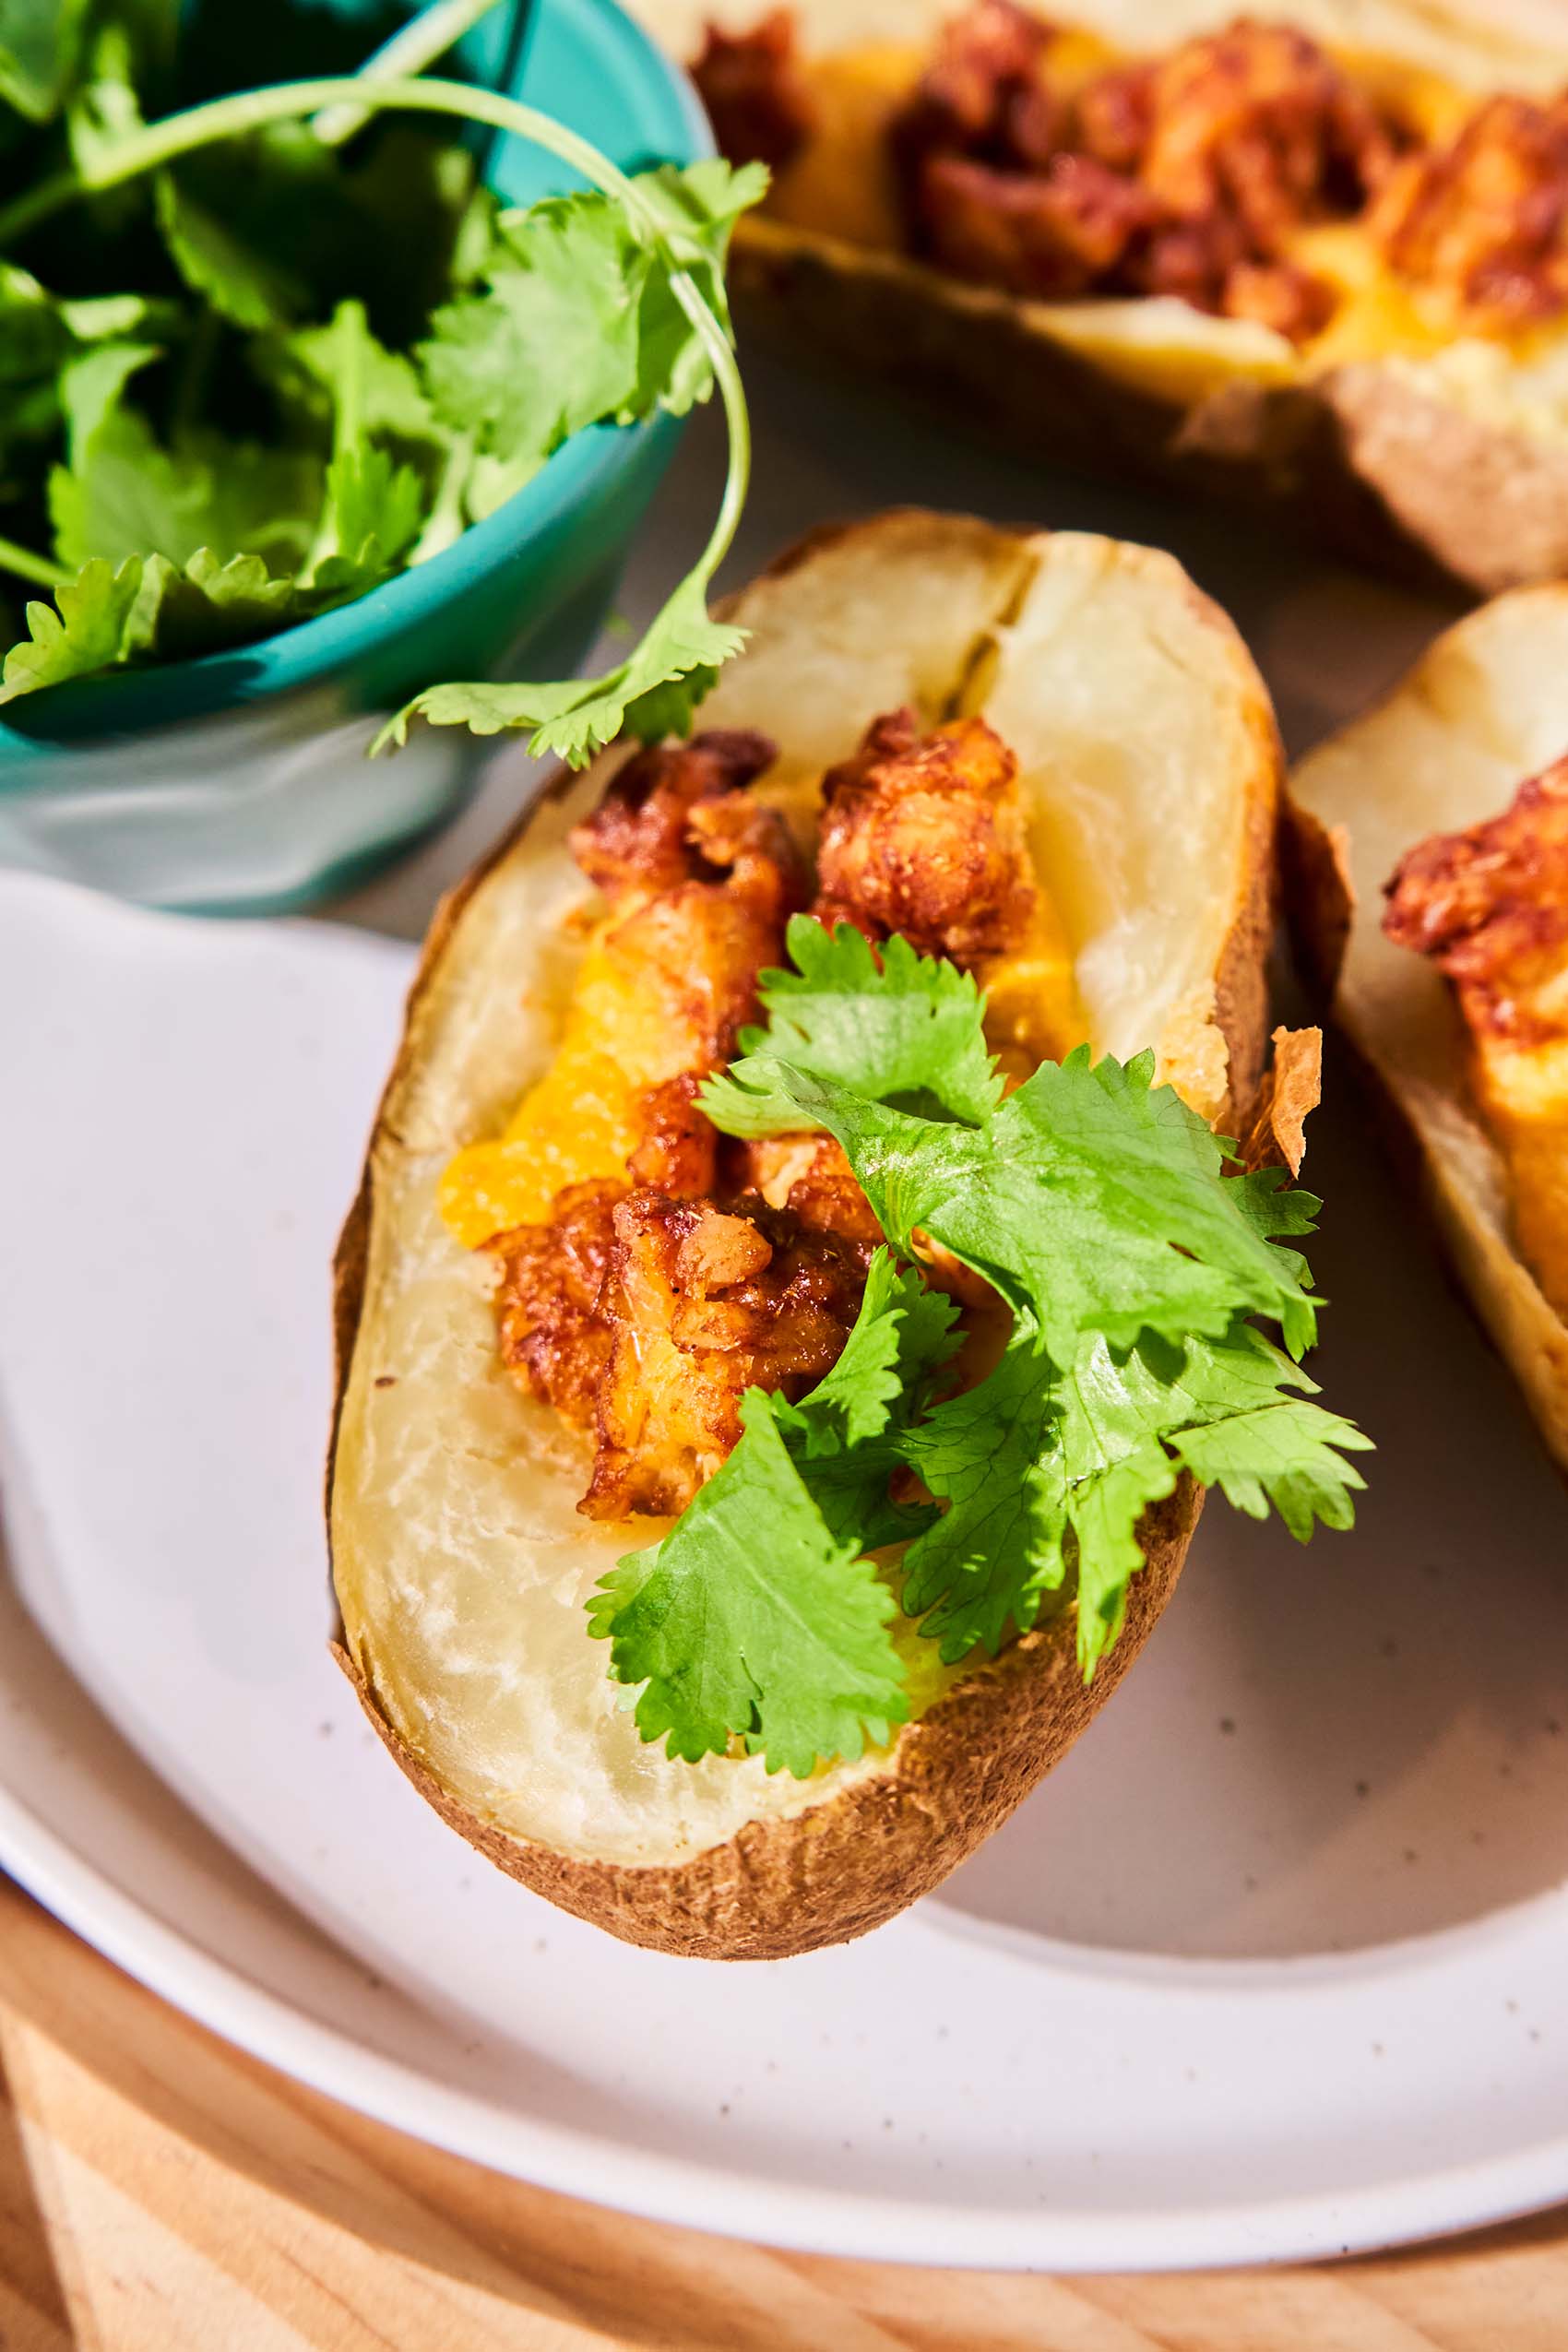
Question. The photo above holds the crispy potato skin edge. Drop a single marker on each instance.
(1357, 459)
(785, 1886)
(1498, 1288)
(839, 1869)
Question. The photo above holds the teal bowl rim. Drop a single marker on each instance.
(299, 656)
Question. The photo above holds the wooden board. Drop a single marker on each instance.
(159, 2192)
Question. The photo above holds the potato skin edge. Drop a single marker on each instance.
(785, 1886)
(1358, 460)
(839, 1869)
(1316, 891)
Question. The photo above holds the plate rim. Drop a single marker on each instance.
(656, 2187)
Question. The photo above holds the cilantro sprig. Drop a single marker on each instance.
(783, 1647)
(257, 413)
(1132, 1255)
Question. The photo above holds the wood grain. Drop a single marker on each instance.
(160, 2193)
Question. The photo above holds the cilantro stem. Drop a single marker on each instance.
(737, 418)
(416, 45)
(218, 118)
(28, 567)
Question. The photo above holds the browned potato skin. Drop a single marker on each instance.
(1320, 904)
(780, 1887)
(1356, 459)
(849, 1864)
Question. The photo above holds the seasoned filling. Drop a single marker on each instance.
(1483, 220)
(1034, 159)
(649, 1270)
(925, 836)
(1181, 175)
(702, 1303)
(1489, 907)
(755, 93)
(700, 882)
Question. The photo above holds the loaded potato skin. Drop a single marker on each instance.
(468, 1433)
(1426, 881)
(1314, 257)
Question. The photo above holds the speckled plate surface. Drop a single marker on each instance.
(1276, 1963)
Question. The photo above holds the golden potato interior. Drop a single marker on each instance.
(1486, 708)
(1147, 744)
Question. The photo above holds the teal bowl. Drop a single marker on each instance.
(239, 782)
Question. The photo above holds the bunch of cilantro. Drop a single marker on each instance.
(1134, 1256)
(250, 370)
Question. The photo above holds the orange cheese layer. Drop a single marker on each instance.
(621, 1036)
(1524, 1091)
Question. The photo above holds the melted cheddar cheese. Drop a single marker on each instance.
(621, 1036)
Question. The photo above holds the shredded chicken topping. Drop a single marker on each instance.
(1489, 907)
(1184, 173)
(701, 1303)
(755, 93)
(924, 835)
(679, 1268)
(1484, 219)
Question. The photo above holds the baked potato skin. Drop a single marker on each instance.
(787, 1887)
(1424, 1117)
(1358, 461)
(1363, 457)
(845, 1865)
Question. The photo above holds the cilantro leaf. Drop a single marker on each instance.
(85, 633)
(566, 282)
(576, 278)
(123, 494)
(90, 388)
(1091, 1199)
(40, 45)
(696, 209)
(374, 503)
(781, 1643)
(242, 284)
(1101, 1209)
(997, 1548)
(906, 1029)
(208, 606)
(1047, 1476)
(856, 1396)
(1260, 1445)
(325, 370)
(47, 350)
(652, 693)
(374, 508)
(844, 1434)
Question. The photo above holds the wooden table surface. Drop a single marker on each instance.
(159, 2192)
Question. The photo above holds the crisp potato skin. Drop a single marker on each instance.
(845, 1866)
(1358, 460)
(783, 1887)
(1498, 674)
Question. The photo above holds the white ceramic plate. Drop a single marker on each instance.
(1276, 1964)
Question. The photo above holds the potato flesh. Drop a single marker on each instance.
(462, 1566)
(1487, 706)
